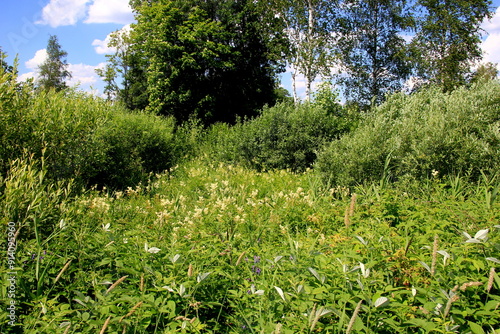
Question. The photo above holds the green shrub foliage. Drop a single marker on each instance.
(135, 144)
(281, 137)
(412, 136)
(83, 137)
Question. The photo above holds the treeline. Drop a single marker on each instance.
(91, 142)
(216, 60)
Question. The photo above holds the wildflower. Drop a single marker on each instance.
(106, 227)
(256, 259)
(256, 270)
(152, 250)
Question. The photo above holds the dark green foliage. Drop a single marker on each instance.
(210, 59)
(4, 66)
(282, 137)
(135, 144)
(410, 136)
(84, 138)
(54, 70)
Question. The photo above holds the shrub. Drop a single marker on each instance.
(283, 136)
(62, 125)
(135, 144)
(84, 137)
(410, 136)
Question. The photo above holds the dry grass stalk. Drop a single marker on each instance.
(347, 222)
(312, 314)
(490, 280)
(106, 323)
(353, 318)
(116, 283)
(132, 311)
(109, 243)
(141, 285)
(277, 330)
(240, 258)
(464, 286)
(317, 315)
(67, 329)
(434, 254)
(62, 271)
(452, 299)
(353, 204)
(190, 270)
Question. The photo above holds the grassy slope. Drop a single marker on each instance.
(219, 248)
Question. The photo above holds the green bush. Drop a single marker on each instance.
(62, 125)
(135, 144)
(412, 136)
(282, 137)
(83, 137)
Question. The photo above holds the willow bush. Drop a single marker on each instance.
(417, 135)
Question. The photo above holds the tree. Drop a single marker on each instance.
(485, 72)
(108, 74)
(211, 59)
(54, 70)
(309, 25)
(128, 64)
(373, 55)
(3, 63)
(448, 39)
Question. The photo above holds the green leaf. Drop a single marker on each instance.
(475, 328)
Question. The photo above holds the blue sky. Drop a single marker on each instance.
(82, 27)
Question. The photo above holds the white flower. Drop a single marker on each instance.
(106, 227)
(152, 250)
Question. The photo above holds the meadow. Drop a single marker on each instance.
(253, 228)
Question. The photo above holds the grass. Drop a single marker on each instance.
(208, 247)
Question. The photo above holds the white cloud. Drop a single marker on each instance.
(110, 11)
(68, 12)
(493, 25)
(63, 12)
(83, 75)
(33, 64)
(38, 59)
(491, 45)
(101, 46)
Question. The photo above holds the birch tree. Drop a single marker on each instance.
(448, 39)
(309, 25)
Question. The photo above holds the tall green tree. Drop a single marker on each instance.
(129, 65)
(212, 59)
(373, 54)
(53, 72)
(485, 72)
(108, 74)
(448, 39)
